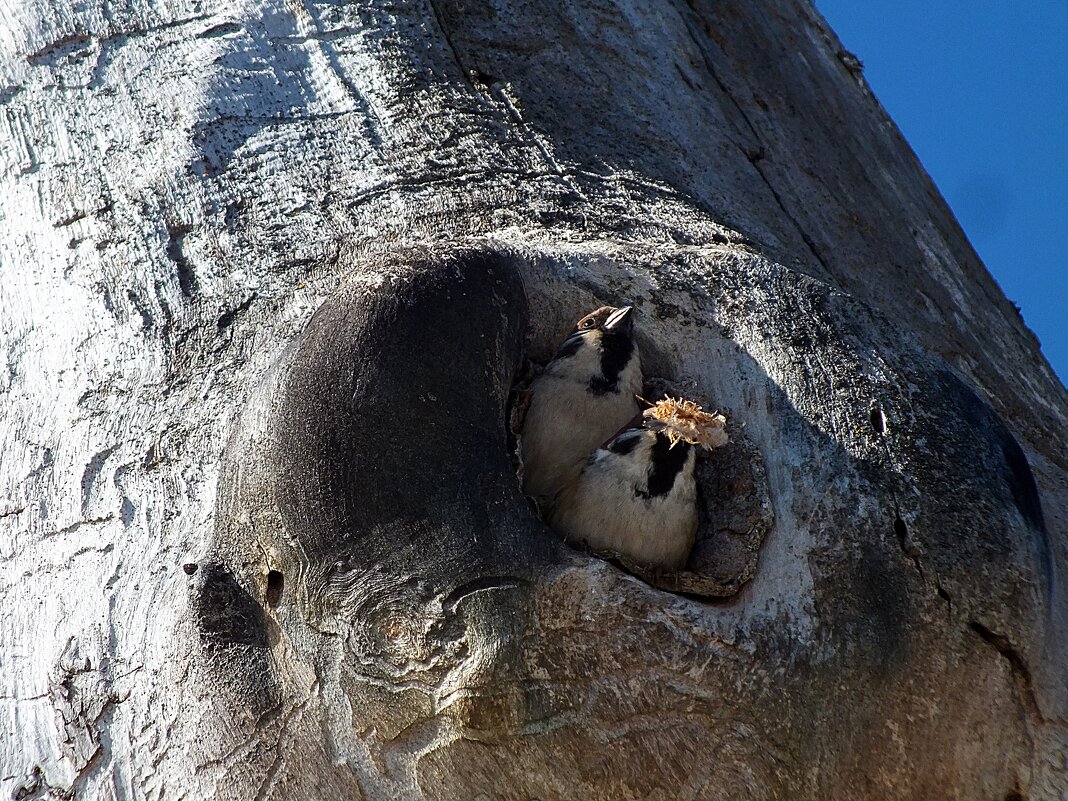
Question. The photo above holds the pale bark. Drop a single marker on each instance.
(183, 185)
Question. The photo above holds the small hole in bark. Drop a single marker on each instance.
(274, 588)
(903, 537)
(190, 568)
(1015, 796)
(943, 594)
(878, 420)
(901, 530)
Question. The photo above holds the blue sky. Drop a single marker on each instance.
(980, 90)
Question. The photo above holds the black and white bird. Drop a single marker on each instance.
(636, 496)
(586, 393)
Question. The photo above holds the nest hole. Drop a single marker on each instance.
(734, 506)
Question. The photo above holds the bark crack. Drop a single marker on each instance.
(440, 22)
(81, 214)
(373, 124)
(36, 785)
(89, 521)
(221, 29)
(782, 204)
(57, 47)
(485, 584)
(1018, 666)
(226, 319)
(512, 112)
(1020, 671)
(901, 529)
(187, 279)
(752, 154)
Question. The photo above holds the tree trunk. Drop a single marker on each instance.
(269, 276)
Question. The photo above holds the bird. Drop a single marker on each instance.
(587, 392)
(636, 496)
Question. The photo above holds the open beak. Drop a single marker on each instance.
(620, 319)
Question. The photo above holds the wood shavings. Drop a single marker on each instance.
(684, 421)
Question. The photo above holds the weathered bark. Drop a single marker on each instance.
(268, 277)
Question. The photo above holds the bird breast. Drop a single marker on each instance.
(567, 421)
(615, 503)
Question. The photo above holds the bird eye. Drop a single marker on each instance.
(587, 324)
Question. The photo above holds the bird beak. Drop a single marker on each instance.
(620, 319)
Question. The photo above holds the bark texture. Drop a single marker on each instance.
(269, 272)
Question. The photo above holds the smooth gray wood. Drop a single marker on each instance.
(244, 553)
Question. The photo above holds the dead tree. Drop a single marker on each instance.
(269, 276)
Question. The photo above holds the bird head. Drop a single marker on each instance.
(608, 318)
(606, 326)
(600, 349)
